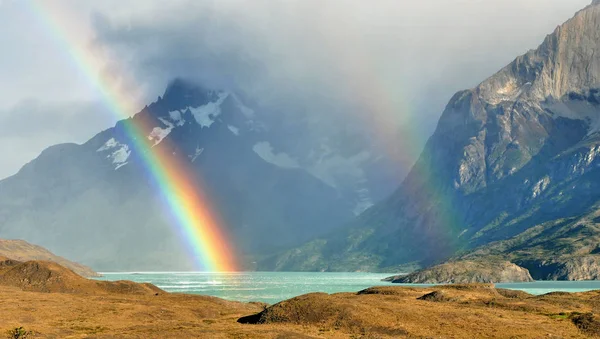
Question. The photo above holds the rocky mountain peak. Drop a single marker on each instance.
(181, 93)
(567, 61)
(501, 125)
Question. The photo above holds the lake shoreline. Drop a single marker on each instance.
(273, 287)
(46, 300)
(478, 310)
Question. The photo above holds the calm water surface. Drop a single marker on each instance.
(272, 287)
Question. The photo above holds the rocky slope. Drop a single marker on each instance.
(518, 151)
(19, 250)
(465, 272)
(563, 249)
(272, 184)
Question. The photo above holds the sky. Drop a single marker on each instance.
(394, 61)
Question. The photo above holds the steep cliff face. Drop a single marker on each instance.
(580, 268)
(519, 150)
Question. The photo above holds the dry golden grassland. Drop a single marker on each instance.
(46, 300)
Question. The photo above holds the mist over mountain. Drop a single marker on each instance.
(272, 183)
(513, 160)
(392, 66)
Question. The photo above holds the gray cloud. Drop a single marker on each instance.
(29, 127)
(34, 64)
(393, 61)
(396, 62)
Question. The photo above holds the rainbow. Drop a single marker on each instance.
(192, 213)
(382, 95)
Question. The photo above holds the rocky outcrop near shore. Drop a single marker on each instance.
(462, 272)
(572, 269)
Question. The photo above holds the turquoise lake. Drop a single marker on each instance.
(272, 287)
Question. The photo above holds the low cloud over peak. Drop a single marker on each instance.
(392, 65)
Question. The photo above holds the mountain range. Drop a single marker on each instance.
(510, 174)
(274, 183)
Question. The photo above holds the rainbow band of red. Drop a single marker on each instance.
(185, 201)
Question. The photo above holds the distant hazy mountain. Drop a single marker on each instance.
(272, 184)
(515, 159)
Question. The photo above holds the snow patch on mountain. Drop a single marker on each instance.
(540, 187)
(158, 134)
(265, 151)
(576, 110)
(120, 156)
(120, 152)
(234, 130)
(364, 201)
(246, 111)
(205, 115)
(176, 116)
(196, 153)
(330, 167)
(256, 126)
(111, 143)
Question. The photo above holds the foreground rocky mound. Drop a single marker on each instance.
(23, 251)
(456, 311)
(46, 276)
(462, 272)
(93, 309)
